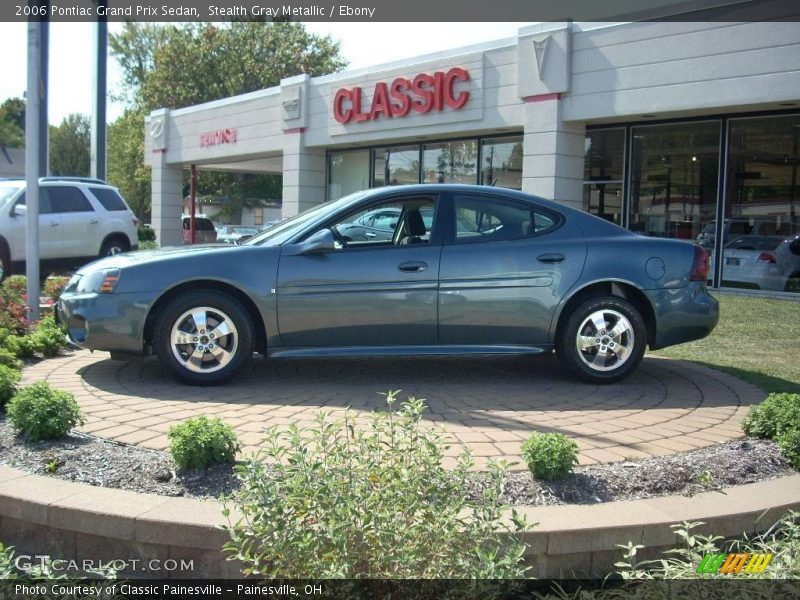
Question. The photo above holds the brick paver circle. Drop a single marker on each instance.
(490, 404)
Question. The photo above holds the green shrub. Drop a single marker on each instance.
(40, 412)
(550, 456)
(778, 413)
(8, 358)
(346, 501)
(48, 338)
(13, 309)
(148, 245)
(789, 441)
(146, 234)
(200, 441)
(23, 346)
(54, 285)
(9, 377)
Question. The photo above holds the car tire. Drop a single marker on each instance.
(114, 246)
(190, 350)
(5, 262)
(603, 340)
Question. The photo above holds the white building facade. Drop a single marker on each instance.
(686, 130)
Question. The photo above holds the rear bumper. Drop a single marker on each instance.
(111, 322)
(683, 315)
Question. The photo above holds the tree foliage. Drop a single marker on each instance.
(69, 146)
(175, 66)
(12, 123)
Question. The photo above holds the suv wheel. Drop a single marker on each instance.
(602, 341)
(204, 337)
(5, 262)
(114, 246)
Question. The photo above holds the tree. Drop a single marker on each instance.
(176, 66)
(126, 168)
(69, 146)
(12, 123)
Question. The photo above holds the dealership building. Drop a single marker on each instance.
(686, 130)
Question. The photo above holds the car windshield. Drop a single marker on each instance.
(6, 191)
(274, 236)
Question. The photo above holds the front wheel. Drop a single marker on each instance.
(603, 340)
(204, 337)
(113, 247)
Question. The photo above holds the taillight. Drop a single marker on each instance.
(699, 264)
(766, 257)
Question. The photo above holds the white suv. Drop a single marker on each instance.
(80, 219)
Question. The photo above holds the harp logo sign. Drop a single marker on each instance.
(733, 563)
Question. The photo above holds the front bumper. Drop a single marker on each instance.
(683, 314)
(111, 322)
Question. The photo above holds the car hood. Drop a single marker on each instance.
(140, 257)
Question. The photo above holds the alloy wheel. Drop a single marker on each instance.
(204, 339)
(605, 340)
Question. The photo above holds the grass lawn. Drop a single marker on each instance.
(757, 340)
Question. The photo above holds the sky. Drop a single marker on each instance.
(363, 45)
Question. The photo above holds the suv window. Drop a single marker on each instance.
(109, 198)
(487, 219)
(65, 199)
(44, 203)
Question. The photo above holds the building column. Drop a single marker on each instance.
(553, 151)
(303, 174)
(167, 201)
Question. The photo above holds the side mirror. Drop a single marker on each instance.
(19, 210)
(319, 243)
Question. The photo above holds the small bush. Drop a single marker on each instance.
(9, 377)
(148, 245)
(48, 338)
(54, 285)
(345, 501)
(13, 310)
(789, 441)
(40, 412)
(550, 456)
(22, 346)
(776, 414)
(200, 441)
(8, 358)
(146, 234)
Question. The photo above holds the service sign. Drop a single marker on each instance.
(423, 93)
(220, 136)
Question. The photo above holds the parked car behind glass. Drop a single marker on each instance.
(762, 263)
(204, 230)
(233, 234)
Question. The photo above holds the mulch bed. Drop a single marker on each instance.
(95, 461)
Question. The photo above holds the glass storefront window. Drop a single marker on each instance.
(674, 171)
(450, 162)
(603, 173)
(501, 162)
(396, 165)
(761, 245)
(348, 172)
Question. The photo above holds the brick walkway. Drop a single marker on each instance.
(489, 404)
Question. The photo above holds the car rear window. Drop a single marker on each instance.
(200, 224)
(67, 199)
(109, 198)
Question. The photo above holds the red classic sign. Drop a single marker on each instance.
(422, 94)
(214, 138)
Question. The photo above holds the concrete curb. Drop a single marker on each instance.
(74, 521)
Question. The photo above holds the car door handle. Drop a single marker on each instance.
(369, 234)
(53, 223)
(550, 257)
(413, 267)
(93, 222)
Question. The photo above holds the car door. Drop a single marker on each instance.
(80, 225)
(504, 269)
(49, 229)
(367, 292)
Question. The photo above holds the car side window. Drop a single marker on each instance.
(44, 203)
(66, 199)
(109, 198)
(393, 223)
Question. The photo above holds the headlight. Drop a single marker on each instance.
(103, 282)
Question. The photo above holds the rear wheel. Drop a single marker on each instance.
(792, 283)
(603, 340)
(113, 246)
(204, 337)
(5, 262)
